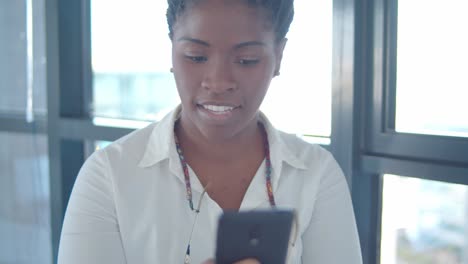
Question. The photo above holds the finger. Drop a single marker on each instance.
(248, 261)
(209, 261)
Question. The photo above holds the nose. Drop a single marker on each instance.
(219, 77)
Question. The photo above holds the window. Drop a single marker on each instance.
(416, 128)
(431, 57)
(22, 57)
(423, 221)
(303, 90)
(25, 224)
(136, 84)
(24, 191)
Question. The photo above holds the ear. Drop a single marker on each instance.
(279, 55)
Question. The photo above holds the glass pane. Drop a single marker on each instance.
(22, 56)
(137, 83)
(25, 235)
(431, 86)
(423, 222)
(299, 100)
(131, 59)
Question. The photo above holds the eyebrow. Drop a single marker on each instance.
(197, 41)
(237, 46)
(249, 43)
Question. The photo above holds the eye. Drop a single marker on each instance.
(248, 62)
(197, 59)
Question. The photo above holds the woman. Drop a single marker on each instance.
(141, 200)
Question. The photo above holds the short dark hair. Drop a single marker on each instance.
(281, 13)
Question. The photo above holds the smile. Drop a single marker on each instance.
(218, 109)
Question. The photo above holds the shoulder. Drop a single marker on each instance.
(131, 146)
(126, 151)
(305, 151)
(316, 165)
(145, 145)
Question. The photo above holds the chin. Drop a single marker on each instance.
(219, 133)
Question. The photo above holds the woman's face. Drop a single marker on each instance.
(224, 56)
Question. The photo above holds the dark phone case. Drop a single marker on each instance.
(263, 235)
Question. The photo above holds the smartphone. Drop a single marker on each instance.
(263, 235)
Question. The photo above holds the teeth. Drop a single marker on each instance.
(218, 108)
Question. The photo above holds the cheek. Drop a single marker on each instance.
(185, 85)
(184, 73)
(187, 79)
(257, 80)
(254, 90)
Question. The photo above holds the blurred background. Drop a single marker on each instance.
(379, 83)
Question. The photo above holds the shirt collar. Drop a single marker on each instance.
(161, 144)
(280, 150)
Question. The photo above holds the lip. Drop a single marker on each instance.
(218, 104)
(217, 117)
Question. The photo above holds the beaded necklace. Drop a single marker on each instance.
(268, 168)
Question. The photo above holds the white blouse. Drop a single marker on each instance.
(128, 204)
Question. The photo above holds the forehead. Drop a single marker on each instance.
(229, 20)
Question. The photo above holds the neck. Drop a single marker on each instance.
(219, 149)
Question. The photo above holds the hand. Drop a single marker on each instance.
(245, 261)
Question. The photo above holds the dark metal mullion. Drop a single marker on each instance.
(363, 85)
(53, 110)
(390, 60)
(364, 73)
(415, 146)
(367, 198)
(384, 66)
(88, 108)
(367, 189)
(378, 68)
(65, 81)
(84, 129)
(351, 94)
(71, 59)
(19, 125)
(71, 94)
(443, 172)
(342, 133)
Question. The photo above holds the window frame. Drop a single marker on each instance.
(384, 139)
(363, 138)
(382, 150)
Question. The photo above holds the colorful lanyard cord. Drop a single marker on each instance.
(188, 186)
(268, 169)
